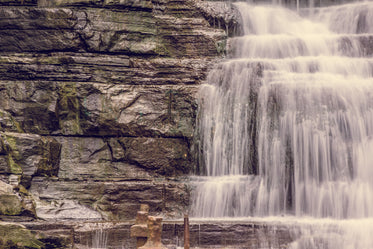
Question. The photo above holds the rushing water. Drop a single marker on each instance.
(286, 123)
(99, 239)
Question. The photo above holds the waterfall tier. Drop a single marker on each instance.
(286, 122)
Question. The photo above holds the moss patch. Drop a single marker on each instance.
(17, 236)
(68, 110)
(10, 204)
(13, 166)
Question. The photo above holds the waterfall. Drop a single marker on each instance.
(286, 121)
(99, 239)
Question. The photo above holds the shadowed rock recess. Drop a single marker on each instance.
(97, 104)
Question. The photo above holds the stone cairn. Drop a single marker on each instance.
(140, 229)
(147, 230)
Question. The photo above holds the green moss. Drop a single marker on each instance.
(47, 60)
(141, 22)
(23, 191)
(18, 236)
(11, 141)
(221, 47)
(8, 148)
(13, 166)
(10, 124)
(17, 126)
(68, 109)
(161, 49)
(10, 204)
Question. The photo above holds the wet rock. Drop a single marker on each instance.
(230, 234)
(223, 15)
(208, 234)
(117, 234)
(110, 200)
(166, 156)
(366, 43)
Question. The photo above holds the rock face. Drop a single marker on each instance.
(17, 236)
(203, 235)
(97, 104)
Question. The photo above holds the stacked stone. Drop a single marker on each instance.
(140, 229)
(147, 230)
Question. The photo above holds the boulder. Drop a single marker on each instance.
(10, 204)
(29, 155)
(14, 235)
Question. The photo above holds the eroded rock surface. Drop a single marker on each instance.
(97, 103)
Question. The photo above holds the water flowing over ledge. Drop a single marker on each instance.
(286, 122)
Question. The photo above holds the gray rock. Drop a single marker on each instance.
(222, 15)
(29, 155)
(166, 156)
(114, 200)
(97, 103)
(100, 109)
(18, 2)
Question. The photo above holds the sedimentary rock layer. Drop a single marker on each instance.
(97, 103)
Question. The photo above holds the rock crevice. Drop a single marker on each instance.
(98, 105)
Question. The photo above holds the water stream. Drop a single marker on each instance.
(286, 124)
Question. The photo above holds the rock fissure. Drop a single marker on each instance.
(98, 105)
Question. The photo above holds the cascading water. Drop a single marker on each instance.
(99, 239)
(286, 123)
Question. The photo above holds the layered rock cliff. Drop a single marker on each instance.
(97, 105)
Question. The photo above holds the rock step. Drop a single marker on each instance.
(202, 234)
(285, 46)
(106, 31)
(101, 68)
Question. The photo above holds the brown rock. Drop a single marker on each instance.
(154, 234)
(10, 204)
(142, 217)
(140, 229)
(140, 232)
(144, 208)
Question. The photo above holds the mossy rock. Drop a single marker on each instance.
(17, 236)
(68, 110)
(10, 204)
(14, 168)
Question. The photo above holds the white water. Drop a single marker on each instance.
(286, 124)
(99, 239)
